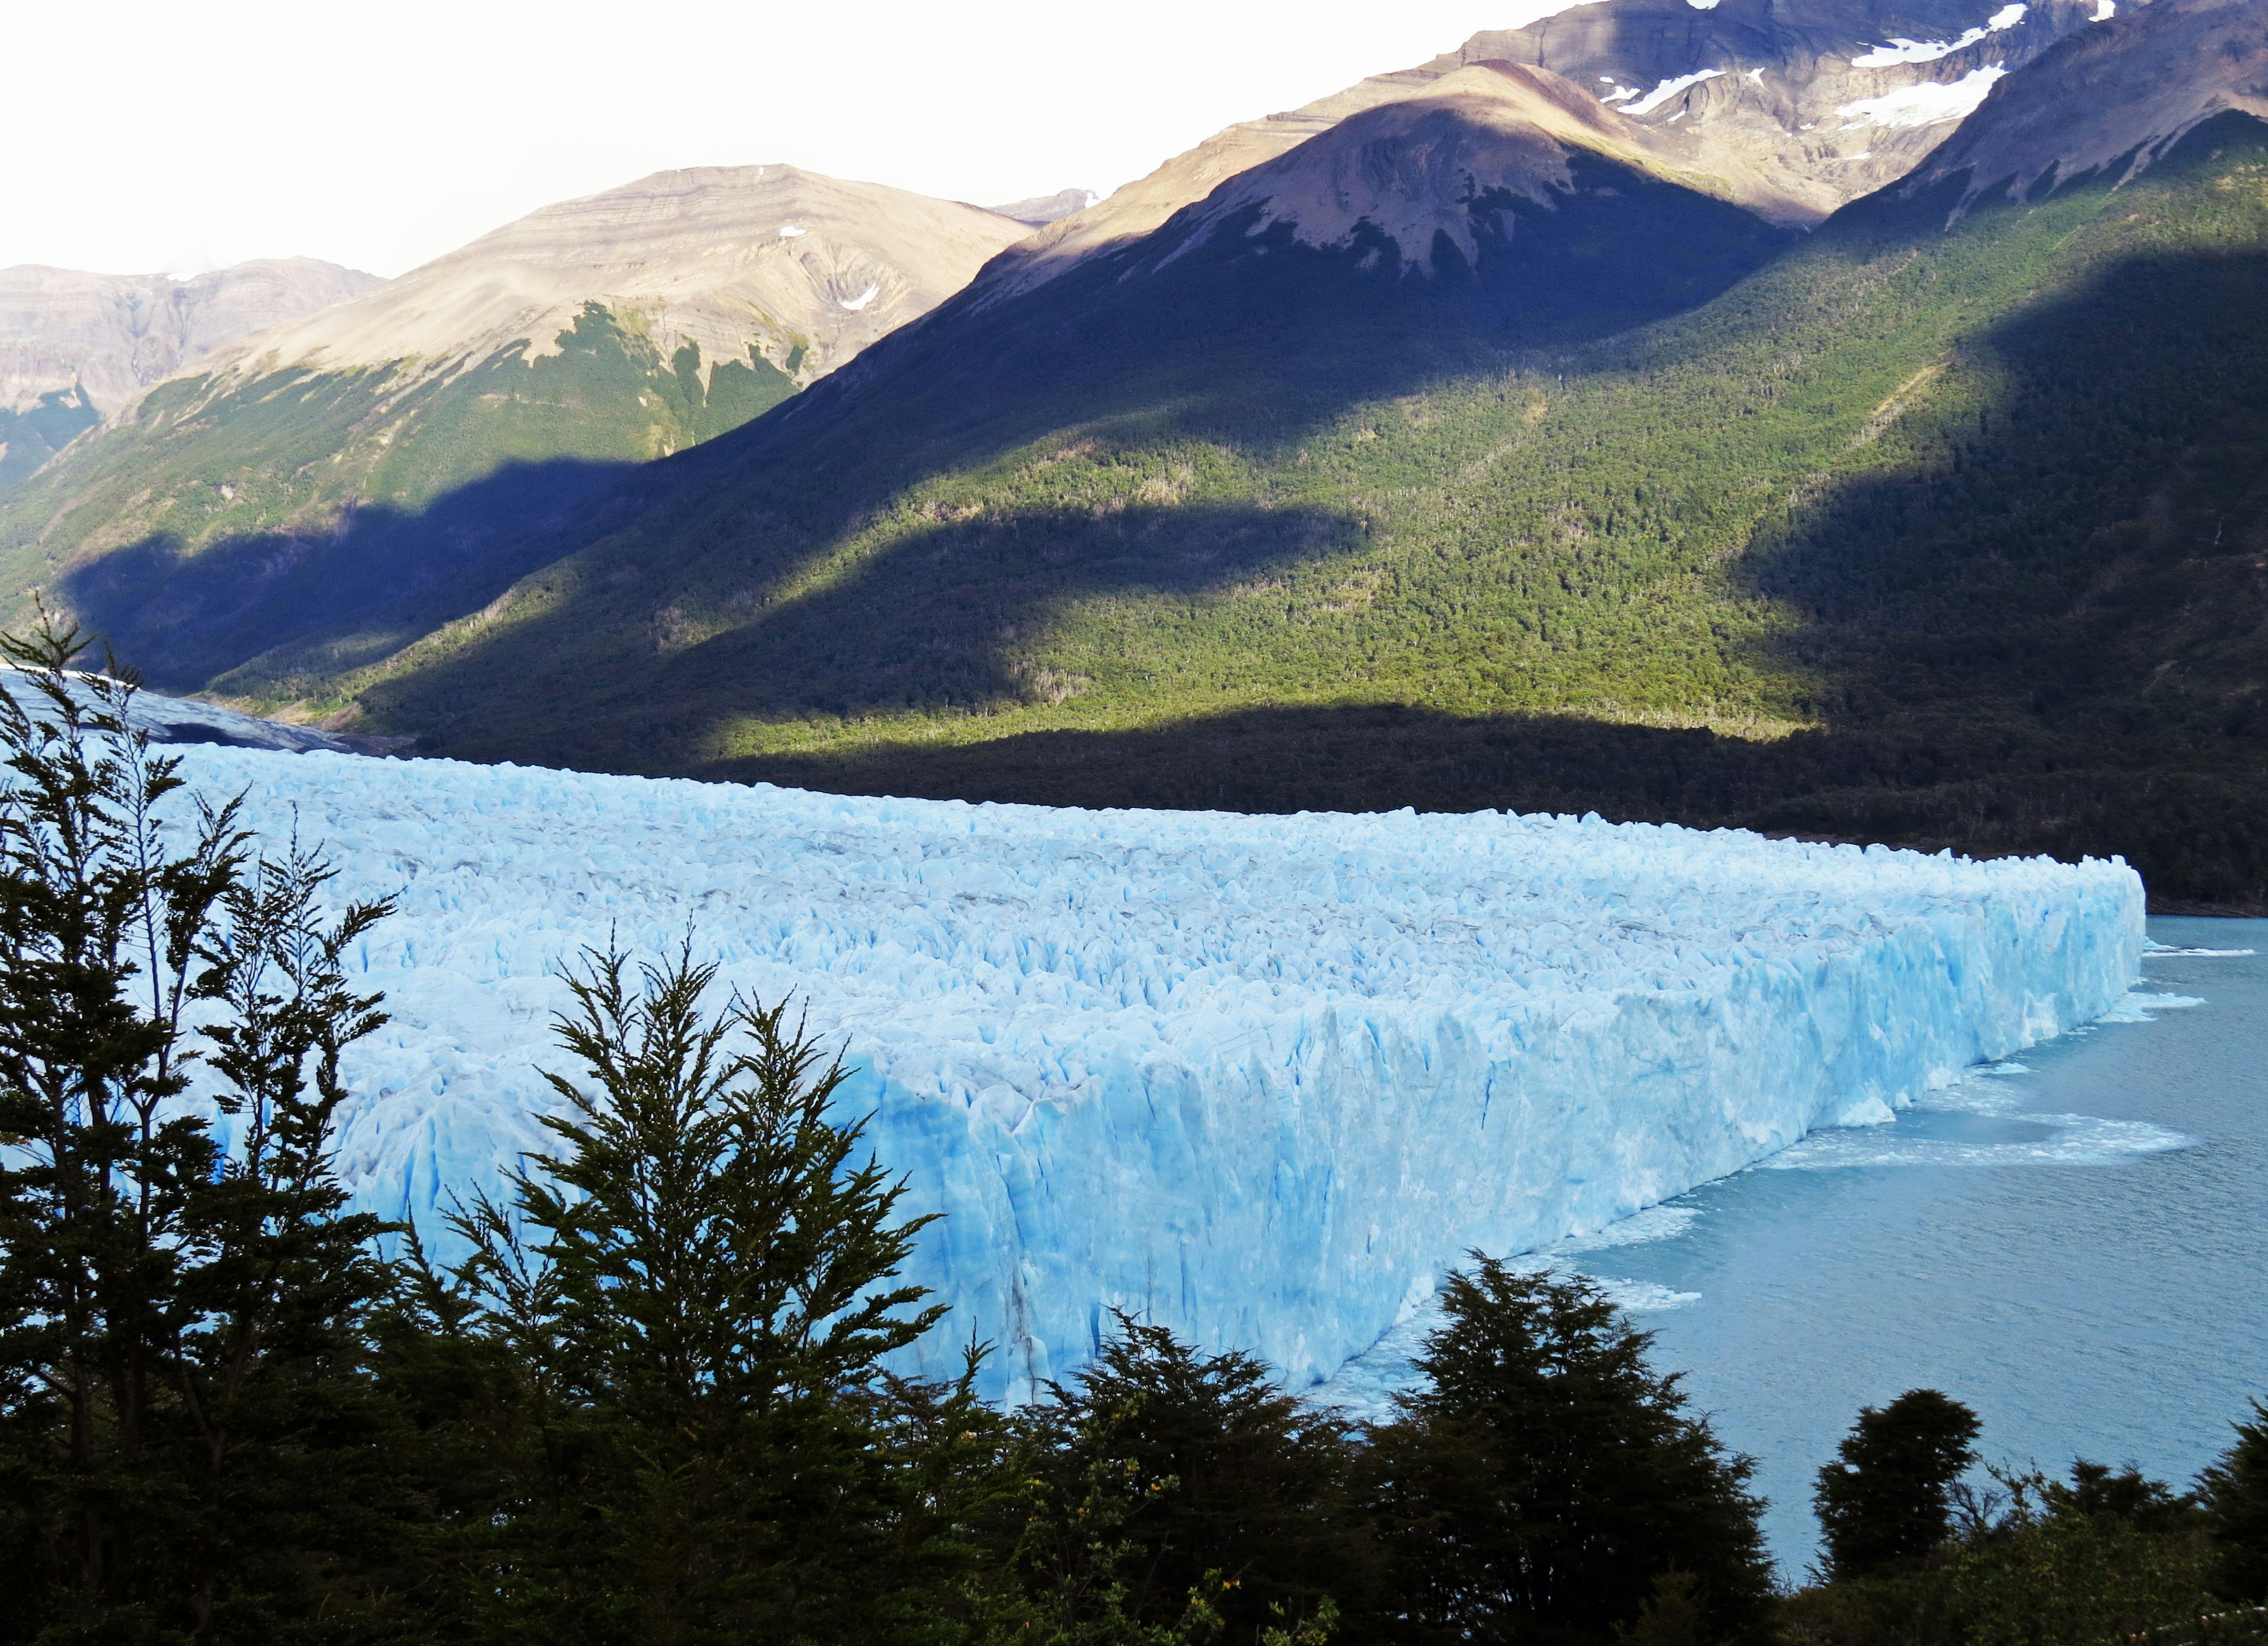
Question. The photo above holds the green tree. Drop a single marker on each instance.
(1545, 1484)
(696, 1293)
(188, 1443)
(1213, 1481)
(2235, 1491)
(1887, 1501)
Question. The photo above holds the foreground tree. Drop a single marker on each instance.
(1213, 1483)
(1888, 1500)
(2107, 1556)
(184, 1410)
(2234, 1492)
(693, 1296)
(1546, 1485)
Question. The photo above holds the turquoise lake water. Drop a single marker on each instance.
(2075, 1243)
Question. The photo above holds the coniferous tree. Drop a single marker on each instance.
(1219, 1485)
(1888, 1500)
(2235, 1491)
(696, 1292)
(1545, 1484)
(183, 1406)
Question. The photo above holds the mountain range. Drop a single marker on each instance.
(411, 447)
(1829, 416)
(77, 347)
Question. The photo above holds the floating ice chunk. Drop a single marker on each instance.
(2159, 952)
(1655, 1222)
(1641, 1297)
(2063, 1140)
(1929, 103)
(859, 301)
(1668, 88)
(2136, 1007)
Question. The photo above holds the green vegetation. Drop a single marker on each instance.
(1545, 1483)
(30, 437)
(340, 515)
(1940, 536)
(1888, 1501)
(187, 1403)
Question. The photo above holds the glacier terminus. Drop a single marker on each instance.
(1260, 1078)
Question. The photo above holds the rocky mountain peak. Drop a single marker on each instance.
(104, 338)
(1792, 106)
(805, 270)
(2115, 98)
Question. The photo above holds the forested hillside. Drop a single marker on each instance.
(1946, 537)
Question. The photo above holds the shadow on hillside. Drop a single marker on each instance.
(932, 623)
(2041, 625)
(255, 610)
(2200, 837)
(1253, 337)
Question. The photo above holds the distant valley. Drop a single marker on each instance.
(75, 347)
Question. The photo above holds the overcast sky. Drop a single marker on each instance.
(181, 136)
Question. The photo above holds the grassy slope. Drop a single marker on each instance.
(1947, 538)
(287, 510)
(29, 438)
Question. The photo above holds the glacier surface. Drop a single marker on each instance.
(1263, 1078)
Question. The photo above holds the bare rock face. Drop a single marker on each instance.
(2116, 99)
(1793, 107)
(110, 336)
(1821, 100)
(803, 269)
(1415, 169)
(1043, 210)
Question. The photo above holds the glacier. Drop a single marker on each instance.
(1260, 1078)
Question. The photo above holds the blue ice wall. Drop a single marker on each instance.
(1262, 1078)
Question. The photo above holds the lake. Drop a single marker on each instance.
(2075, 1242)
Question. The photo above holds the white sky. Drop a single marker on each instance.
(180, 137)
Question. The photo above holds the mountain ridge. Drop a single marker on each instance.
(1891, 538)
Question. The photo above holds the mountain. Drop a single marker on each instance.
(1043, 210)
(1801, 104)
(2118, 99)
(75, 347)
(395, 462)
(1942, 525)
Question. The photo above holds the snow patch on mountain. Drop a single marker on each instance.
(1668, 88)
(1929, 103)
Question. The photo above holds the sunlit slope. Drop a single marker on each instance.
(350, 479)
(76, 347)
(1945, 535)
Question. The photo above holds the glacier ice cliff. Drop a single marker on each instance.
(1260, 1077)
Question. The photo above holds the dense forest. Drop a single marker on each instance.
(646, 1394)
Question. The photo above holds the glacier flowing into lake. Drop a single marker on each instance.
(1261, 1078)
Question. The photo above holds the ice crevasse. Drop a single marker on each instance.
(1260, 1078)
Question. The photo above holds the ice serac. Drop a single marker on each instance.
(1259, 1077)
